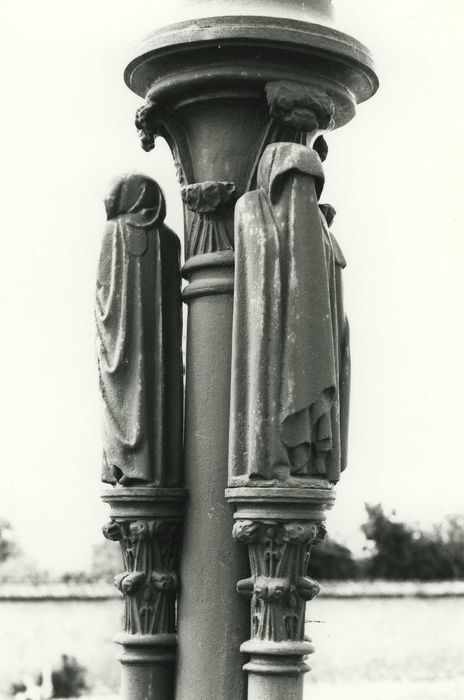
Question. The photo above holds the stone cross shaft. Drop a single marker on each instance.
(217, 501)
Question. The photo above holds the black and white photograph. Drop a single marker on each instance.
(232, 350)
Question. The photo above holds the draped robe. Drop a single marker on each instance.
(139, 335)
(289, 347)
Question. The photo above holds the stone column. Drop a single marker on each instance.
(278, 529)
(220, 90)
(212, 619)
(139, 351)
(147, 523)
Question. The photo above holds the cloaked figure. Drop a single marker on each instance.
(334, 252)
(290, 355)
(139, 337)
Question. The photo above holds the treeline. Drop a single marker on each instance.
(398, 552)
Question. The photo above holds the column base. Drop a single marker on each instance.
(276, 669)
(147, 666)
(277, 658)
(147, 522)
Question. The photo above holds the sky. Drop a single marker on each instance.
(394, 175)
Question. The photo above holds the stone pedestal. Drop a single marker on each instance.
(147, 524)
(279, 526)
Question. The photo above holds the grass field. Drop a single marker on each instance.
(400, 649)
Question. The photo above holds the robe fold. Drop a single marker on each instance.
(289, 347)
(139, 335)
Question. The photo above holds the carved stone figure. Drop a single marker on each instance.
(139, 327)
(328, 215)
(296, 112)
(290, 339)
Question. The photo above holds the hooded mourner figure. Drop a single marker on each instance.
(290, 353)
(139, 335)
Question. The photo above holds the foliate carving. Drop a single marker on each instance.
(296, 110)
(180, 174)
(151, 120)
(149, 583)
(300, 106)
(204, 197)
(279, 586)
(147, 122)
(212, 223)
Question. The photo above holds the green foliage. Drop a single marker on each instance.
(403, 552)
(333, 561)
(400, 552)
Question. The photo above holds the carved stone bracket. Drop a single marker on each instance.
(152, 120)
(150, 551)
(147, 123)
(278, 587)
(301, 107)
(147, 522)
(297, 111)
(211, 228)
(279, 527)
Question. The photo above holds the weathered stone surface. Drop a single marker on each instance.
(279, 526)
(295, 105)
(279, 586)
(289, 389)
(150, 552)
(329, 53)
(220, 91)
(147, 522)
(211, 228)
(139, 335)
(204, 85)
(210, 612)
(289, 347)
